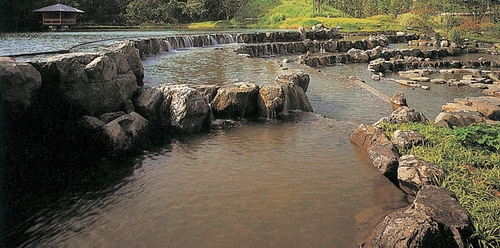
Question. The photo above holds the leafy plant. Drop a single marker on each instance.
(479, 135)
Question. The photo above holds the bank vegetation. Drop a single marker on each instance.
(470, 157)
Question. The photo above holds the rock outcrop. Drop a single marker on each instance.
(435, 219)
(92, 84)
(379, 148)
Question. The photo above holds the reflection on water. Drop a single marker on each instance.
(270, 185)
(209, 66)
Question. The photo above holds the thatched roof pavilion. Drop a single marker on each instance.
(59, 15)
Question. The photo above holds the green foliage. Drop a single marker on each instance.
(455, 35)
(472, 171)
(406, 20)
(482, 136)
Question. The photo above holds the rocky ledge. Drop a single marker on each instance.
(434, 218)
(100, 99)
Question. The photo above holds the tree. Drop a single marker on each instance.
(230, 7)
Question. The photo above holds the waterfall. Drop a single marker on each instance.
(188, 42)
(213, 41)
(169, 46)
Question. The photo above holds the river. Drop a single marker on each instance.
(293, 184)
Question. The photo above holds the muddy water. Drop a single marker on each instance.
(295, 184)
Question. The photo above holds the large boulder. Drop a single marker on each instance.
(294, 92)
(295, 77)
(271, 101)
(379, 148)
(235, 101)
(19, 83)
(182, 108)
(414, 172)
(89, 83)
(435, 219)
(126, 132)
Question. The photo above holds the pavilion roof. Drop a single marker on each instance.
(59, 8)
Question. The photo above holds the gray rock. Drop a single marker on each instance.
(435, 219)
(126, 132)
(413, 173)
(379, 148)
(407, 139)
(358, 55)
(134, 60)
(399, 99)
(148, 103)
(404, 115)
(187, 110)
(108, 117)
(458, 119)
(19, 83)
(236, 101)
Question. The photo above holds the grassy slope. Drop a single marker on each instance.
(290, 14)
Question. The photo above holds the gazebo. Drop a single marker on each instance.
(59, 15)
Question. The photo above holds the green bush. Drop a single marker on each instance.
(454, 35)
(481, 135)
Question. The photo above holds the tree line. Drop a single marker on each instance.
(18, 16)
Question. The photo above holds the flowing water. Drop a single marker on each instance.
(294, 184)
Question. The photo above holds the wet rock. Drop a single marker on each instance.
(358, 55)
(295, 97)
(19, 83)
(407, 139)
(413, 173)
(379, 148)
(236, 101)
(271, 101)
(297, 77)
(126, 132)
(91, 123)
(458, 119)
(435, 219)
(187, 109)
(148, 103)
(399, 99)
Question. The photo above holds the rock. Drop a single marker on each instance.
(126, 132)
(236, 101)
(424, 87)
(404, 115)
(457, 107)
(358, 55)
(458, 119)
(271, 101)
(399, 99)
(382, 153)
(407, 139)
(486, 105)
(148, 103)
(295, 77)
(208, 92)
(91, 123)
(493, 90)
(435, 219)
(413, 173)
(438, 81)
(187, 110)
(108, 117)
(295, 97)
(19, 83)
(89, 83)
(134, 60)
